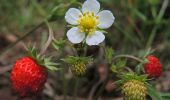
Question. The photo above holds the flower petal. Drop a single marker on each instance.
(75, 36)
(106, 19)
(91, 6)
(95, 38)
(72, 15)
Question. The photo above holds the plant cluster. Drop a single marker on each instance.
(86, 29)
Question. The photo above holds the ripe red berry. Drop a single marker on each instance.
(28, 77)
(153, 67)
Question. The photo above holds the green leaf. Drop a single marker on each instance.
(52, 68)
(42, 60)
(133, 76)
(32, 52)
(59, 44)
(153, 93)
(121, 63)
(55, 46)
(69, 59)
(50, 65)
(118, 82)
(113, 68)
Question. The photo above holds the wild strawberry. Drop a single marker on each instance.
(153, 67)
(134, 90)
(28, 77)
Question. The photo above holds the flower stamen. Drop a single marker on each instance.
(88, 23)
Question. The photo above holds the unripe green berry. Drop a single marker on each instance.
(79, 69)
(134, 90)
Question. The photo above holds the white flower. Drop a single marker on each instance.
(87, 22)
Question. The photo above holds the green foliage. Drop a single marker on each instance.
(47, 62)
(139, 25)
(44, 61)
(121, 63)
(59, 44)
(113, 68)
(118, 66)
(132, 76)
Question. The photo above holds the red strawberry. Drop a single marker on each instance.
(153, 67)
(28, 77)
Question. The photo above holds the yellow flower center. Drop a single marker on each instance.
(88, 22)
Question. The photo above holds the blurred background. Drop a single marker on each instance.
(139, 25)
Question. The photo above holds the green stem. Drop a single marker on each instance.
(85, 50)
(49, 40)
(21, 38)
(64, 85)
(100, 90)
(128, 56)
(76, 88)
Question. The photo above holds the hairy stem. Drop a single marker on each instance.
(128, 56)
(50, 38)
